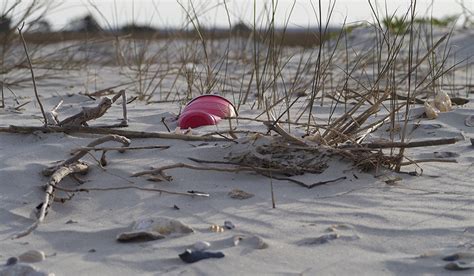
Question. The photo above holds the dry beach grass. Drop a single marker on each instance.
(381, 188)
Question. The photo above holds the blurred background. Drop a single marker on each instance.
(112, 14)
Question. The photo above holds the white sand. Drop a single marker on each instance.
(388, 226)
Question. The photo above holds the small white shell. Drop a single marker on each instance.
(431, 112)
(201, 245)
(32, 256)
(443, 101)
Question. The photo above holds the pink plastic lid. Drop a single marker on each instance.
(196, 118)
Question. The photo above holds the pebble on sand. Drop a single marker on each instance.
(155, 228)
(458, 266)
(32, 256)
(239, 194)
(12, 261)
(229, 225)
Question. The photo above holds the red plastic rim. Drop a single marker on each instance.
(196, 118)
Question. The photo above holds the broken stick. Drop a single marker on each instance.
(117, 138)
(423, 143)
(92, 113)
(87, 114)
(104, 130)
(56, 177)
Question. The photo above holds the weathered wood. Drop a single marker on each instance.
(415, 144)
(56, 177)
(87, 114)
(104, 130)
(92, 113)
(52, 116)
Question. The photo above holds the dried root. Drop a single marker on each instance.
(58, 175)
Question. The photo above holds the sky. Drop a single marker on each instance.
(173, 13)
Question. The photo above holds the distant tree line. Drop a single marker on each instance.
(89, 24)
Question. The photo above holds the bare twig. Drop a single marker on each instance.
(117, 138)
(131, 187)
(428, 160)
(164, 123)
(104, 130)
(425, 143)
(326, 182)
(187, 166)
(124, 105)
(2, 101)
(32, 73)
(117, 148)
(268, 172)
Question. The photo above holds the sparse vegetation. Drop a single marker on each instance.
(398, 24)
(274, 69)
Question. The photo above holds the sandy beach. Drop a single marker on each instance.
(418, 221)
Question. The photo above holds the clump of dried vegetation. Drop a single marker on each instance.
(287, 76)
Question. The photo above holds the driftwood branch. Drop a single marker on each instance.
(92, 113)
(424, 143)
(431, 160)
(87, 114)
(103, 130)
(56, 177)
